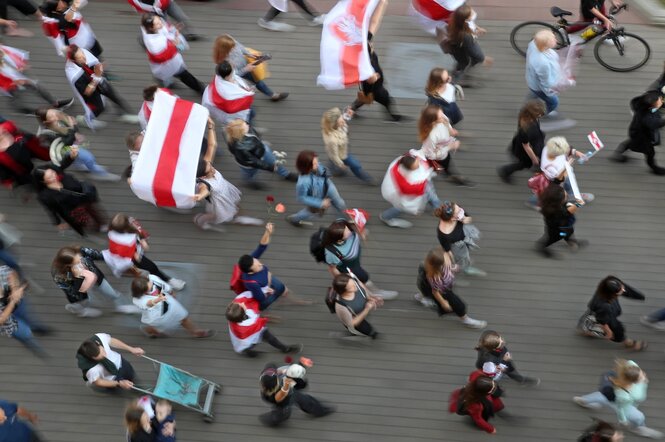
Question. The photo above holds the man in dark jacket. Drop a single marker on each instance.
(644, 130)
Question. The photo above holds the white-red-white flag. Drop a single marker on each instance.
(165, 171)
(344, 54)
(595, 141)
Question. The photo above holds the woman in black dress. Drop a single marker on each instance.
(528, 142)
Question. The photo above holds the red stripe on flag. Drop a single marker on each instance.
(352, 54)
(168, 159)
(162, 57)
(229, 106)
(432, 10)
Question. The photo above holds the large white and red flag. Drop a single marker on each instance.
(432, 14)
(344, 54)
(165, 171)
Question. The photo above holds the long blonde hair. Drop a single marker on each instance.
(223, 46)
(235, 130)
(329, 120)
(628, 373)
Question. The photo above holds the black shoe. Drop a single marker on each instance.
(250, 353)
(658, 170)
(255, 185)
(544, 251)
(293, 177)
(293, 348)
(504, 176)
(394, 118)
(194, 37)
(279, 97)
(64, 104)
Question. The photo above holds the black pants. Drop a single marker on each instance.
(96, 50)
(307, 9)
(518, 164)
(381, 96)
(366, 329)
(151, 267)
(190, 81)
(649, 152)
(357, 270)
(126, 371)
(554, 235)
(25, 7)
(448, 165)
(94, 101)
(20, 97)
(281, 412)
(618, 330)
(273, 341)
(456, 303)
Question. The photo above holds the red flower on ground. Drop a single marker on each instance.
(270, 199)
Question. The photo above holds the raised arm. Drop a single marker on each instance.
(377, 17)
(212, 141)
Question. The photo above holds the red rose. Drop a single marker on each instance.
(270, 199)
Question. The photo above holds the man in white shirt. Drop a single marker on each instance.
(104, 367)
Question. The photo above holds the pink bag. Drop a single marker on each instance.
(538, 183)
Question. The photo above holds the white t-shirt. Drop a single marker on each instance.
(437, 144)
(552, 168)
(98, 371)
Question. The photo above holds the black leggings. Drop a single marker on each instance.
(94, 101)
(554, 235)
(366, 329)
(273, 341)
(456, 303)
(307, 9)
(190, 81)
(518, 164)
(381, 96)
(151, 267)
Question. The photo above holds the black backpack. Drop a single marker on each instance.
(316, 245)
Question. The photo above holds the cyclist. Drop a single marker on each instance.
(591, 10)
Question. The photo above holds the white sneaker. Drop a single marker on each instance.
(318, 21)
(656, 325)
(105, 176)
(396, 222)
(474, 323)
(425, 302)
(275, 26)
(474, 271)
(177, 284)
(129, 118)
(582, 403)
(248, 221)
(74, 309)
(386, 294)
(128, 309)
(646, 432)
(89, 312)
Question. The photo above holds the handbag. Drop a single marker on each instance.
(538, 183)
(364, 98)
(259, 60)
(589, 326)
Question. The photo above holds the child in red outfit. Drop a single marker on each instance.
(476, 400)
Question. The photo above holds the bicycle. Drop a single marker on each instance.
(616, 50)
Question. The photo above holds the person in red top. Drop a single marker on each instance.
(476, 400)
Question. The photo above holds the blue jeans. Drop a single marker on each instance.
(432, 200)
(249, 173)
(87, 159)
(335, 199)
(354, 165)
(635, 417)
(278, 290)
(260, 85)
(9, 260)
(25, 324)
(551, 101)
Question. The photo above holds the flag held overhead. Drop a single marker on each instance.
(165, 171)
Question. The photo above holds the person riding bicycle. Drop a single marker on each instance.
(591, 10)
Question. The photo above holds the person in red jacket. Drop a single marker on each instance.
(476, 400)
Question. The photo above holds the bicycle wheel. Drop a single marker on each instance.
(523, 33)
(622, 51)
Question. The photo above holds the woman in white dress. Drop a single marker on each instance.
(160, 310)
(222, 198)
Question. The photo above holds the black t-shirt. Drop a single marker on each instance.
(587, 5)
(448, 239)
(532, 135)
(605, 312)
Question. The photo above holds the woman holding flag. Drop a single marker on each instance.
(163, 44)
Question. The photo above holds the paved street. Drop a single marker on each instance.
(396, 389)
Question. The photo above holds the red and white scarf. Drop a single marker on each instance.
(248, 332)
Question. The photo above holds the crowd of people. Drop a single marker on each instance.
(46, 165)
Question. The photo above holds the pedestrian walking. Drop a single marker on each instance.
(103, 367)
(603, 310)
(476, 401)
(644, 130)
(462, 44)
(353, 303)
(457, 235)
(623, 390)
(492, 348)
(527, 145)
(278, 6)
(441, 91)
(559, 217)
(435, 281)
(169, 8)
